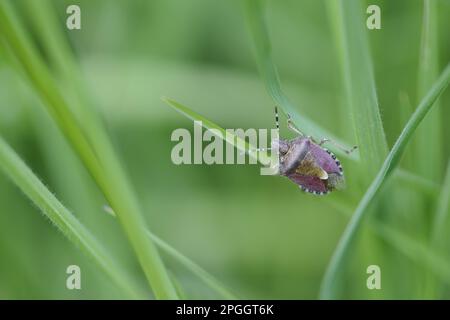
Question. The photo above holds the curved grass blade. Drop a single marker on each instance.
(90, 141)
(51, 36)
(268, 71)
(33, 188)
(55, 45)
(350, 34)
(336, 265)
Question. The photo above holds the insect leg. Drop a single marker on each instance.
(259, 149)
(347, 151)
(256, 150)
(292, 126)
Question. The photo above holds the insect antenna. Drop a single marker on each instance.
(277, 123)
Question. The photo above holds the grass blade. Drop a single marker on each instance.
(350, 34)
(51, 36)
(33, 188)
(425, 152)
(90, 141)
(336, 265)
(268, 71)
(55, 45)
(431, 129)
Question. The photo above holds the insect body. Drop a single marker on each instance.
(315, 169)
(306, 163)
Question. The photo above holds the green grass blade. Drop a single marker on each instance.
(179, 289)
(350, 33)
(431, 129)
(54, 43)
(336, 265)
(406, 109)
(90, 141)
(51, 36)
(268, 71)
(33, 188)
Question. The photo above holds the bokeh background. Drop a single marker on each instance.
(259, 235)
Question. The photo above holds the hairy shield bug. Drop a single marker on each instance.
(304, 161)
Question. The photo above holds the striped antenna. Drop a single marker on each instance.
(277, 123)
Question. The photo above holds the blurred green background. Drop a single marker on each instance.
(259, 235)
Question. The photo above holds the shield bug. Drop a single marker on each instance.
(307, 163)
